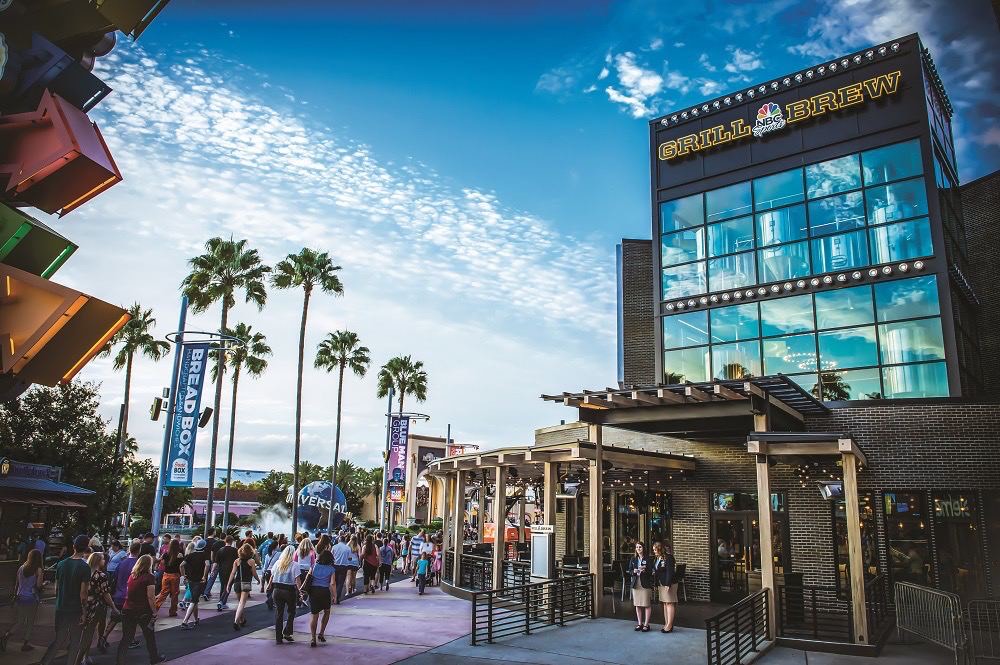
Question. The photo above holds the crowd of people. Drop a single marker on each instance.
(98, 589)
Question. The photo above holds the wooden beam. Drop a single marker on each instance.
(855, 561)
(595, 402)
(670, 396)
(621, 400)
(766, 546)
(500, 520)
(596, 435)
(726, 393)
(697, 394)
(848, 446)
(646, 398)
(572, 401)
(751, 389)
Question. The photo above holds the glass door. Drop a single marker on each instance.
(731, 554)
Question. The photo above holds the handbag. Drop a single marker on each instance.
(244, 586)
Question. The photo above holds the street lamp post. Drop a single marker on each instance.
(168, 429)
(383, 518)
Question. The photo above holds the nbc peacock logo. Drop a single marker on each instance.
(769, 119)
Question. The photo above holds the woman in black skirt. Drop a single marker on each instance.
(319, 584)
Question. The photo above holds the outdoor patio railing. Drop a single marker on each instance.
(983, 625)
(880, 613)
(932, 615)
(813, 613)
(475, 572)
(738, 630)
(448, 574)
(520, 609)
(516, 573)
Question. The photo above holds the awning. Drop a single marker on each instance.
(42, 500)
(30, 245)
(42, 492)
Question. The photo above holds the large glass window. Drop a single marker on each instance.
(907, 298)
(689, 329)
(682, 281)
(900, 200)
(683, 246)
(841, 252)
(730, 272)
(686, 365)
(736, 235)
(778, 226)
(777, 190)
(789, 355)
(909, 381)
(681, 213)
(847, 347)
(911, 341)
(905, 240)
(892, 162)
(783, 262)
(906, 532)
(852, 384)
(844, 307)
(837, 175)
(836, 213)
(735, 323)
(728, 201)
(783, 316)
(959, 544)
(736, 361)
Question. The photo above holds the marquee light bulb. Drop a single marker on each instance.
(704, 107)
(739, 96)
(762, 89)
(775, 288)
(809, 74)
(882, 50)
(774, 85)
(887, 270)
(788, 286)
(750, 92)
(703, 300)
(841, 277)
(762, 291)
(694, 111)
(857, 60)
(749, 293)
(903, 267)
(833, 66)
(680, 305)
(714, 298)
(873, 272)
(738, 295)
(814, 281)
(919, 265)
(786, 81)
(895, 46)
(716, 104)
(727, 101)
(856, 274)
(801, 284)
(673, 118)
(845, 62)
(725, 297)
(827, 279)
(798, 78)
(821, 70)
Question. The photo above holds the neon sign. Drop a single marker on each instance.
(770, 117)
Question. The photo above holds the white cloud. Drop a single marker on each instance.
(708, 87)
(742, 60)
(603, 74)
(448, 274)
(991, 137)
(558, 81)
(656, 44)
(706, 63)
(679, 44)
(638, 85)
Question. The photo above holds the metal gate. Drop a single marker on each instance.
(931, 615)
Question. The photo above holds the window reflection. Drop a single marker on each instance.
(681, 213)
(780, 226)
(906, 530)
(912, 381)
(728, 201)
(736, 361)
(788, 355)
(786, 315)
(683, 246)
(685, 329)
(732, 272)
(836, 213)
(837, 175)
(686, 280)
(892, 162)
(734, 323)
(853, 384)
(844, 307)
(849, 347)
(777, 190)
(905, 240)
(911, 341)
(907, 298)
(900, 200)
(736, 235)
(783, 262)
(848, 250)
(686, 365)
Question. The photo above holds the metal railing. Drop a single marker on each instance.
(982, 621)
(879, 611)
(448, 574)
(475, 572)
(813, 613)
(516, 573)
(932, 615)
(499, 613)
(739, 630)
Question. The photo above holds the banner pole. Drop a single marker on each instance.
(168, 429)
(384, 518)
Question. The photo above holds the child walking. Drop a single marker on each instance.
(423, 568)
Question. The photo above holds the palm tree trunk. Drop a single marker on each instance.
(232, 436)
(298, 415)
(119, 449)
(336, 448)
(215, 420)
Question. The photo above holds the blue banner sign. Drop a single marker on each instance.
(187, 407)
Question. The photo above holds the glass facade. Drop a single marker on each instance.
(848, 212)
(873, 341)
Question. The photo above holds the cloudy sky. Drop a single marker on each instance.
(470, 165)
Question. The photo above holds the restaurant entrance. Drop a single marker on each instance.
(735, 543)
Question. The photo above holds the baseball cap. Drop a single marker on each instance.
(199, 545)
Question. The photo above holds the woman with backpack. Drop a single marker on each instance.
(244, 573)
(27, 595)
(665, 572)
(640, 568)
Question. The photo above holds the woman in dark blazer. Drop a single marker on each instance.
(640, 570)
(665, 570)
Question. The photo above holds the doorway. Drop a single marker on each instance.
(732, 554)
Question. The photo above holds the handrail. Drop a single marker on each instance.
(738, 630)
(982, 620)
(516, 610)
(813, 612)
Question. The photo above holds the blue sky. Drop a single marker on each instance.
(471, 165)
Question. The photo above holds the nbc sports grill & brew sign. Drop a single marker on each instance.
(399, 433)
(187, 406)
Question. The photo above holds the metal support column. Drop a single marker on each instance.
(500, 520)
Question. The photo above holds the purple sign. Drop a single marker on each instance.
(399, 433)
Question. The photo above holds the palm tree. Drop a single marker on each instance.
(340, 350)
(252, 354)
(135, 337)
(346, 472)
(307, 269)
(405, 376)
(226, 265)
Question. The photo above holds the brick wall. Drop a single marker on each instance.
(980, 204)
(638, 319)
